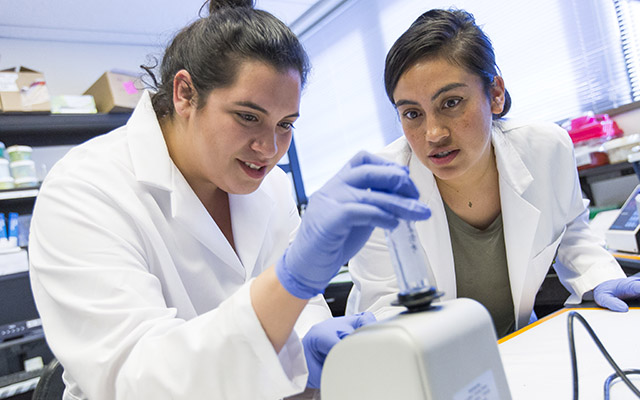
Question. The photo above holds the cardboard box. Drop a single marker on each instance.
(115, 92)
(23, 90)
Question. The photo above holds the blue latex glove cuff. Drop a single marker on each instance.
(293, 285)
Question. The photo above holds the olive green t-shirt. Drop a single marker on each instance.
(480, 262)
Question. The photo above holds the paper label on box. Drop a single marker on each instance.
(8, 82)
(129, 87)
(73, 104)
(36, 93)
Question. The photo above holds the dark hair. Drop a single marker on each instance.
(212, 49)
(452, 34)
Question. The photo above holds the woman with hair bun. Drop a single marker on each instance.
(505, 194)
(167, 257)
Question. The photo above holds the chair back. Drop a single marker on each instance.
(50, 386)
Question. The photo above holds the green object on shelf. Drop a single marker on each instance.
(593, 211)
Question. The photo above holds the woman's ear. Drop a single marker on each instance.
(496, 95)
(184, 94)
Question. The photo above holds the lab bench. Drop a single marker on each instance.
(537, 361)
(629, 262)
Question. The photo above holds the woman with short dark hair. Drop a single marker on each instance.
(505, 194)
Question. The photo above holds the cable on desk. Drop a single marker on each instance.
(609, 381)
(574, 363)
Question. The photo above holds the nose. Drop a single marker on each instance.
(435, 131)
(265, 144)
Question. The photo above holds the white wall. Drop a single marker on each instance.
(629, 121)
(74, 41)
(71, 68)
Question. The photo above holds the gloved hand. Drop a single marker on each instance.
(610, 294)
(367, 192)
(323, 336)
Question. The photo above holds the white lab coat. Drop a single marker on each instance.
(544, 217)
(140, 294)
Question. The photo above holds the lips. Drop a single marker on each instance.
(442, 154)
(254, 170)
(442, 157)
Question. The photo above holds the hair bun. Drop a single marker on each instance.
(215, 5)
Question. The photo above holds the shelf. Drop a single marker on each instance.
(72, 129)
(12, 194)
(56, 129)
(607, 171)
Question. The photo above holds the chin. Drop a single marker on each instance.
(445, 174)
(245, 189)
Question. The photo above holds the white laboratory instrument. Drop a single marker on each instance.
(624, 232)
(446, 350)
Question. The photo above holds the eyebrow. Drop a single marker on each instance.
(443, 89)
(254, 106)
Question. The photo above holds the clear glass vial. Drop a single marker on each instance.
(411, 267)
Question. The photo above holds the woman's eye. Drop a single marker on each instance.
(450, 103)
(286, 125)
(247, 117)
(411, 114)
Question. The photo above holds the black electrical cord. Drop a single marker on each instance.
(574, 363)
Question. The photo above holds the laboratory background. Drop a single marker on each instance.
(572, 62)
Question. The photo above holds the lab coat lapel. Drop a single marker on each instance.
(434, 232)
(520, 218)
(250, 215)
(189, 211)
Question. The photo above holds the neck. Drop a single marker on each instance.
(181, 153)
(476, 198)
(477, 180)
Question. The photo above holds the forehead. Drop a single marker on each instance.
(430, 75)
(262, 84)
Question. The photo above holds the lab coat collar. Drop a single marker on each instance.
(149, 154)
(250, 215)
(188, 211)
(153, 166)
(520, 217)
(511, 168)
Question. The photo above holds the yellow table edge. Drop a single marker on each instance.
(628, 256)
(548, 317)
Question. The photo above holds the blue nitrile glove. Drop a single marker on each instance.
(323, 336)
(367, 192)
(610, 294)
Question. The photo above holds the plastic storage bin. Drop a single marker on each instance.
(619, 149)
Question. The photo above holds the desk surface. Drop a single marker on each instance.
(537, 361)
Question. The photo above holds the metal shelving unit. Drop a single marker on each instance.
(56, 129)
(70, 129)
